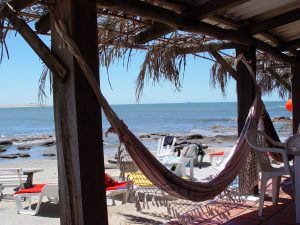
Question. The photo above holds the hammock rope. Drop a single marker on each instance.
(157, 173)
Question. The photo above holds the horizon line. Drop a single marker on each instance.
(28, 105)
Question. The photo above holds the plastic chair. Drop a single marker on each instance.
(115, 188)
(165, 146)
(260, 142)
(39, 191)
(186, 158)
(12, 177)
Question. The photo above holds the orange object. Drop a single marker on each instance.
(217, 154)
(289, 105)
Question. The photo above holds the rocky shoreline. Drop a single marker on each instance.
(23, 145)
(192, 138)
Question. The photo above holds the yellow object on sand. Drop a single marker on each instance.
(139, 179)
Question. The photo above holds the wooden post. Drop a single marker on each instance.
(78, 120)
(245, 85)
(245, 89)
(296, 98)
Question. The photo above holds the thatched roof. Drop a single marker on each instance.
(168, 30)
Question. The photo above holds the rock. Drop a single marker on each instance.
(111, 166)
(10, 156)
(145, 136)
(159, 134)
(3, 149)
(6, 143)
(215, 127)
(193, 136)
(14, 140)
(49, 154)
(23, 155)
(281, 119)
(226, 137)
(48, 143)
(24, 147)
(112, 161)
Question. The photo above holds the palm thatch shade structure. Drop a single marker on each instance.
(266, 32)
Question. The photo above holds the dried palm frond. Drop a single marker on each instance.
(271, 75)
(161, 64)
(220, 76)
(42, 96)
(4, 28)
(165, 57)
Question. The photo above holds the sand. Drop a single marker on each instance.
(49, 213)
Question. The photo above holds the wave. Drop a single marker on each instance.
(228, 119)
(210, 132)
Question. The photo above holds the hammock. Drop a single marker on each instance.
(157, 173)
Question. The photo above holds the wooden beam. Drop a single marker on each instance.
(78, 120)
(35, 43)
(200, 11)
(224, 64)
(245, 89)
(233, 72)
(238, 26)
(276, 21)
(296, 98)
(42, 26)
(277, 41)
(226, 21)
(136, 7)
(206, 48)
(245, 84)
(290, 45)
(156, 30)
(177, 6)
(174, 20)
(18, 5)
(210, 8)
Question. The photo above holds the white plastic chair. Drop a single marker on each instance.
(12, 177)
(165, 149)
(260, 142)
(187, 157)
(25, 207)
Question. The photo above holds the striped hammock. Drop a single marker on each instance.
(157, 173)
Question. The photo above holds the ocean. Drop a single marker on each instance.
(207, 119)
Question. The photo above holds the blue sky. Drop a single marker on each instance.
(20, 74)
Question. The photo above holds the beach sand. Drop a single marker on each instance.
(49, 213)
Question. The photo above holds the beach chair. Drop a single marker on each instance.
(165, 146)
(260, 142)
(217, 158)
(178, 164)
(26, 199)
(142, 190)
(11, 177)
(116, 188)
(125, 163)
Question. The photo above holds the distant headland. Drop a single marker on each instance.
(21, 105)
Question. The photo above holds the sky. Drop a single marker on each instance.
(20, 73)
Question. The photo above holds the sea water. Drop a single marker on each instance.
(207, 119)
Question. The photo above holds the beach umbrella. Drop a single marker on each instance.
(289, 105)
